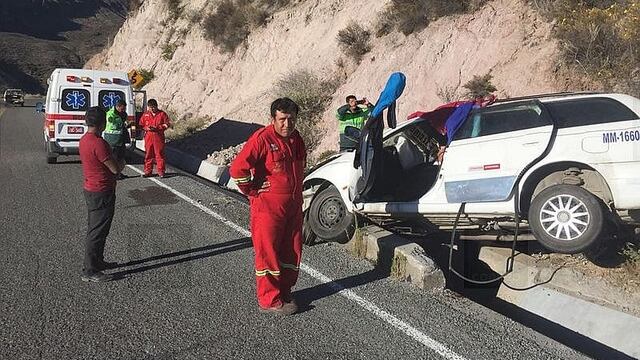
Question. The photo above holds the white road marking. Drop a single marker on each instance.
(409, 330)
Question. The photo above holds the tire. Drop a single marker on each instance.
(566, 218)
(329, 218)
(308, 236)
(52, 159)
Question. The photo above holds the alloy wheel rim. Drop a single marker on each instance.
(564, 217)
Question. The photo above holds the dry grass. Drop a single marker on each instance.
(313, 95)
(185, 127)
(354, 41)
(230, 24)
(409, 16)
(479, 86)
(599, 39)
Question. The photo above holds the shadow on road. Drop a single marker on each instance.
(306, 297)
(182, 256)
(467, 263)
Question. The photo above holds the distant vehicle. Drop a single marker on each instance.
(567, 163)
(71, 92)
(14, 96)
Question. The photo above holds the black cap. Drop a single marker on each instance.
(95, 116)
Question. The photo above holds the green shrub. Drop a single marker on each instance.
(174, 9)
(631, 253)
(231, 22)
(313, 95)
(600, 39)
(228, 26)
(354, 41)
(409, 16)
(147, 76)
(168, 50)
(479, 86)
(182, 128)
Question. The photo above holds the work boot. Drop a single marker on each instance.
(106, 265)
(287, 298)
(97, 276)
(285, 309)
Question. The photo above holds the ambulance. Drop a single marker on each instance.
(71, 92)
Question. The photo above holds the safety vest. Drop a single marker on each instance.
(356, 119)
(112, 133)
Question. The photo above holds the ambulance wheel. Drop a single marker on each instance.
(329, 217)
(52, 159)
(566, 218)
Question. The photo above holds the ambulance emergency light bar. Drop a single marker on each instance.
(73, 78)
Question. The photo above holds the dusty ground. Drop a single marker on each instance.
(623, 276)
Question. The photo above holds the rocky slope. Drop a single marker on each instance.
(504, 37)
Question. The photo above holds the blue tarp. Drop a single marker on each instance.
(456, 119)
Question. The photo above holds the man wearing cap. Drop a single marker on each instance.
(99, 169)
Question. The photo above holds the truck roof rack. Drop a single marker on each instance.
(538, 96)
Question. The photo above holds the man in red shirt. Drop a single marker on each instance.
(269, 170)
(154, 121)
(99, 170)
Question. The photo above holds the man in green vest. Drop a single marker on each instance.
(115, 132)
(353, 113)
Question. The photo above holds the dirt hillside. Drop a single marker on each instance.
(504, 37)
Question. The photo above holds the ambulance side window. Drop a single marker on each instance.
(108, 98)
(75, 100)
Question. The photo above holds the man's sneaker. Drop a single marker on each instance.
(146, 175)
(162, 175)
(284, 309)
(97, 276)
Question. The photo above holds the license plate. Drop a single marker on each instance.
(75, 130)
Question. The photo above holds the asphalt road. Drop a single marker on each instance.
(187, 287)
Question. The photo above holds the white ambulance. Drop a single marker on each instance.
(71, 92)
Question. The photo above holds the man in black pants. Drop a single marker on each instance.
(99, 170)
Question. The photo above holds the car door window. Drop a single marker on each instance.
(501, 119)
(589, 111)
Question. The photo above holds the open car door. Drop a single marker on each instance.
(368, 157)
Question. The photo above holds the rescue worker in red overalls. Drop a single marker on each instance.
(154, 122)
(269, 170)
